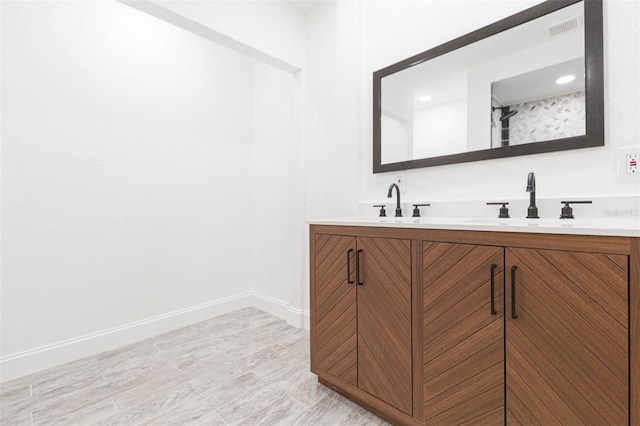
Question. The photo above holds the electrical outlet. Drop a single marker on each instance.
(631, 162)
(627, 164)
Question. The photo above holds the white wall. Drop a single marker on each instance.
(332, 127)
(397, 137)
(332, 94)
(397, 120)
(270, 27)
(121, 141)
(277, 182)
(440, 130)
(145, 171)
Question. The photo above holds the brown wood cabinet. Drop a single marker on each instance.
(335, 349)
(463, 327)
(567, 337)
(362, 323)
(463, 292)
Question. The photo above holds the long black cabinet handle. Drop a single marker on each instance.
(493, 288)
(349, 281)
(358, 267)
(513, 292)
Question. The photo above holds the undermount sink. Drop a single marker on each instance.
(627, 226)
(530, 222)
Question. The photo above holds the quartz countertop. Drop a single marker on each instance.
(614, 226)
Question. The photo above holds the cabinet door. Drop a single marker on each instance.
(384, 320)
(463, 334)
(567, 340)
(334, 346)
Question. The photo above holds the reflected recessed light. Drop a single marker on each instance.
(424, 98)
(566, 79)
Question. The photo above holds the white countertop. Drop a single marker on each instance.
(624, 227)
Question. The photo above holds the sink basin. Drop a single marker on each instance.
(628, 226)
(530, 222)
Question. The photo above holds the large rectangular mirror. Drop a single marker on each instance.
(527, 84)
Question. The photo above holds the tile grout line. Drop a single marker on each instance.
(173, 365)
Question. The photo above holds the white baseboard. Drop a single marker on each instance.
(293, 316)
(43, 357)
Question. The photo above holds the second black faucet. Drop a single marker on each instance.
(532, 211)
(390, 194)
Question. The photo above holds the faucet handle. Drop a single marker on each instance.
(416, 210)
(504, 211)
(383, 212)
(567, 211)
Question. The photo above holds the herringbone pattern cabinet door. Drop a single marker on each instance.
(567, 350)
(384, 320)
(463, 334)
(335, 307)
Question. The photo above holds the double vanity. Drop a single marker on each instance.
(484, 320)
(443, 321)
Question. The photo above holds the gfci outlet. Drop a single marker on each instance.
(631, 162)
(627, 164)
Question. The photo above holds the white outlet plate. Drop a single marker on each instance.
(631, 163)
(626, 170)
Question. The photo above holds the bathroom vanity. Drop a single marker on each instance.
(429, 321)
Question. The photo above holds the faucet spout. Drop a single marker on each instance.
(532, 211)
(531, 182)
(390, 194)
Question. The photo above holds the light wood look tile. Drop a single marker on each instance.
(310, 392)
(194, 352)
(360, 417)
(150, 408)
(11, 395)
(90, 414)
(200, 409)
(66, 379)
(330, 410)
(145, 391)
(128, 370)
(175, 338)
(246, 367)
(209, 419)
(135, 351)
(272, 354)
(224, 392)
(16, 409)
(23, 419)
(280, 412)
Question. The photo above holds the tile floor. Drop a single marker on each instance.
(243, 368)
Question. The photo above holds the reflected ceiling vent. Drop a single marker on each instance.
(563, 27)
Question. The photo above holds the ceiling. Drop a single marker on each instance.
(540, 84)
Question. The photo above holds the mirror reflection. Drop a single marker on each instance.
(520, 86)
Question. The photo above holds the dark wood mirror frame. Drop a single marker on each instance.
(594, 90)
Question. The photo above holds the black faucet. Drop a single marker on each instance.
(390, 194)
(532, 211)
